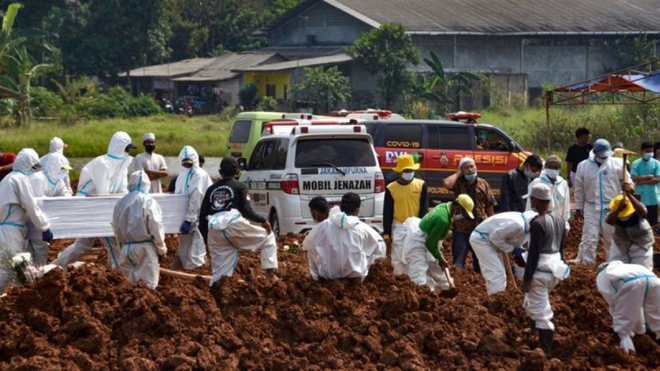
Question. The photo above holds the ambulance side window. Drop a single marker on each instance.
(490, 140)
(256, 161)
(403, 136)
(454, 138)
(275, 154)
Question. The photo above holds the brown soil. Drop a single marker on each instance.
(92, 319)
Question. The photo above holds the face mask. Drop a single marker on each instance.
(648, 155)
(530, 174)
(471, 177)
(62, 174)
(408, 176)
(551, 173)
(599, 160)
(150, 148)
(625, 219)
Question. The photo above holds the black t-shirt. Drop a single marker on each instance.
(577, 154)
(224, 195)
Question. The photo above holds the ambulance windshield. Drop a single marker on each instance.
(349, 152)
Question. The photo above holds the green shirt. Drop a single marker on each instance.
(436, 224)
(649, 192)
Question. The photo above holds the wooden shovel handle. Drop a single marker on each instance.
(185, 276)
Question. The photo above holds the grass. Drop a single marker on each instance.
(207, 134)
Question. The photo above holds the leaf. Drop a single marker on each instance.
(9, 18)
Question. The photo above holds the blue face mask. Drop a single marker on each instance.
(551, 173)
(471, 177)
(648, 155)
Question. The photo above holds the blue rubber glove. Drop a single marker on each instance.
(185, 227)
(47, 235)
(518, 257)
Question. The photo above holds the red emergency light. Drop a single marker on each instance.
(457, 116)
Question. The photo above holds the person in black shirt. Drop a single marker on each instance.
(225, 218)
(515, 183)
(577, 153)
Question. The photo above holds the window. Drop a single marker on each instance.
(489, 140)
(271, 90)
(349, 152)
(403, 136)
(454, 138)
(240, 133)
(432, 137)
(256, 161)
(270, 155)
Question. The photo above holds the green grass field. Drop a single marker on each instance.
(208, 134)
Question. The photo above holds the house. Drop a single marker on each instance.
(525, 44)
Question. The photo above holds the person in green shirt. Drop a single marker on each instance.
(422, 259)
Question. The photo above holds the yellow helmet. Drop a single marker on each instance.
(467, 203)
(614, 204)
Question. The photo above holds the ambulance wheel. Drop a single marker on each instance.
(275, 223)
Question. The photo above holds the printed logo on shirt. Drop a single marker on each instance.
(222, 199)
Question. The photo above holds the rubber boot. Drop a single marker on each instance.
(532, 325)
(546, 337)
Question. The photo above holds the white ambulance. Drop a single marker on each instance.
(286, 171)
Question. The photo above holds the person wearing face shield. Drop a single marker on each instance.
(319, 209)
(192, 181)
(56, 148)
(405, 197)
(137, 222)
(17, 207)
(50, 182)
(597, 182)
(151, 163)
(560, 203)
(516, 181)
(479, 191)
(104, 175)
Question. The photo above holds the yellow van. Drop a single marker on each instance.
(246, 131)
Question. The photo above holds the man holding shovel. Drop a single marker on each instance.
(493, 239)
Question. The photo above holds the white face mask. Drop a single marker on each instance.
(551, 173)
(600, 160)
(408, 176)
(530, 174)
(648, 155)
(471, 177)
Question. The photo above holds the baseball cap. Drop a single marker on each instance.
(614, 204)
(540, 191)
(602, 148)
(228, 165)
(466, 203)
(553, 159)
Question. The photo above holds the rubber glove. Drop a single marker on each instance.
(162, 250)
(518, 257)
(47, 235)
(185, 227)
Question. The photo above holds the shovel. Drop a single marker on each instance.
(509, 271)
(452, 292)
(625, 154)
(185, 276)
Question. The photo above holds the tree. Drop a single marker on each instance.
(387, 50)
(323, 87)
(435, 87)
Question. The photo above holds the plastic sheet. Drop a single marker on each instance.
(79, 217)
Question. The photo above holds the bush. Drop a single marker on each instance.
(267, 104)
(143, 105)
(117, 102)
(248, 97)
(45, 103)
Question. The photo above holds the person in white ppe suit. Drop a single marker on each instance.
(633, 236)
(56, 147)
(17, 206)
(342, 246)
(192, 181)
(50, 182)
(544, 265)
(137, 222)
(225, 224)
(632, 293)
(597, 181)
(499, 233)
(104, 175)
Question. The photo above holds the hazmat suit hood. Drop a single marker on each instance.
(56, 146)
(118, 143)
(342, 220)
(25, 160)
(189, 152)
(53, 166)
(139, 182)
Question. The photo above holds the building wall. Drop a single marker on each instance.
(328, 26)
(281, 81)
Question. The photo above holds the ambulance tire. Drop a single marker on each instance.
(274, 222)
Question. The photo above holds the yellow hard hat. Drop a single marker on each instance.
(467, 203)
(405, 162)
(614, 204)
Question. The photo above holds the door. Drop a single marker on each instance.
(446, 146)
(265, 172)
(494, 156)
(401, 139)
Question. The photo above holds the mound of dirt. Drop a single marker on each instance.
(93, 319)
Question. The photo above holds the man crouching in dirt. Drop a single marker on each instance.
(225, 218)
(544, 265)
(342, 246)
(137, 221)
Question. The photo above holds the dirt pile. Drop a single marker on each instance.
(93, 319)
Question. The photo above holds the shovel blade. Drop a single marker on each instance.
(451, 293)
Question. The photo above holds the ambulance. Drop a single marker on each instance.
(287, 170)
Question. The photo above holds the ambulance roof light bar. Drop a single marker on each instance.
(339, 129)
(383, 114)
(299, 116)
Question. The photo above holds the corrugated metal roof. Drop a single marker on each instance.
(300, 63)
(221, 67)
(508, 17)
(180, 68)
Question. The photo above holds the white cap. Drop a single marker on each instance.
(540, 191)
(464, 161)
(149, 136)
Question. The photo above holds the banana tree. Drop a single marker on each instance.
(22, 69)
(435, 87)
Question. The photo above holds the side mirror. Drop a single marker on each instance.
(242, 164)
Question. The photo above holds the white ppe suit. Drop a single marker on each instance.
(595, 186)
(50, 182)
(550, 268)
(137, 222)
(104, 175)
(500, 232)
(418, 263)
(560, 203)
(17, 206)
(396, 248)
(632, 292)
(342, 247)
(192, 182)
(228, 234)
(56, 147)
